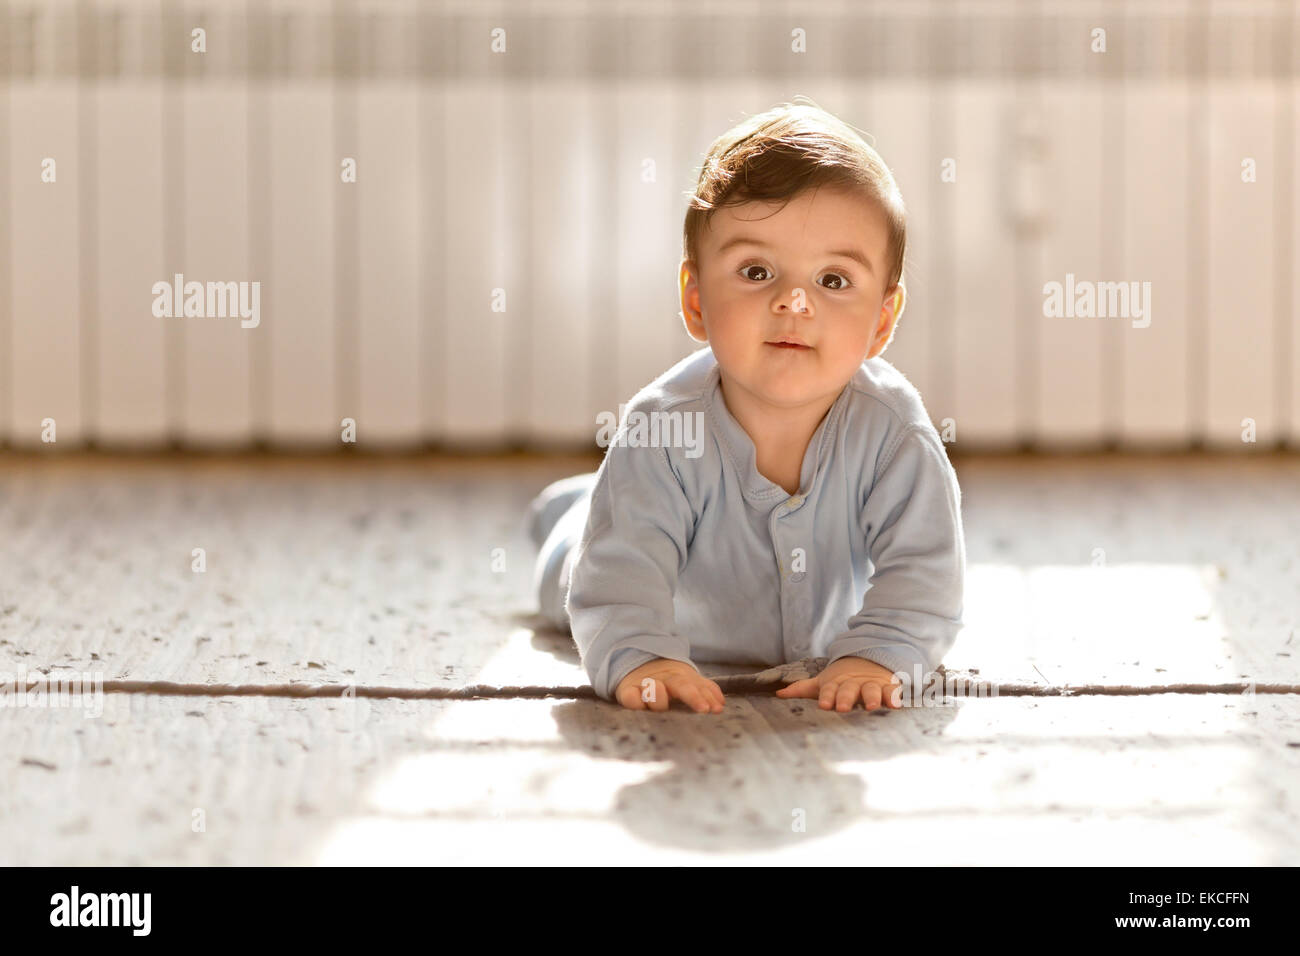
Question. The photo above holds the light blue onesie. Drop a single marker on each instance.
(677, 547)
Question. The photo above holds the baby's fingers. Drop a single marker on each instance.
(629, 696)
(642, 695)
(660, 696)
(826, 695)
(873, 695)
(870, 696)
(692, 692)
(843, 696)
(715, 693)
(800, 688)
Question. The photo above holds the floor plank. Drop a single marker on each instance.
(1174, 779)
(380, 571)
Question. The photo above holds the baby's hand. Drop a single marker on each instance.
(846, 681)
(656, 682)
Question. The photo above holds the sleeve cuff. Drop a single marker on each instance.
(896, 657)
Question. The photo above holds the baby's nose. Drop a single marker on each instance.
(794, 299)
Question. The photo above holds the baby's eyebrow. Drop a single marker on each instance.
(853, 254)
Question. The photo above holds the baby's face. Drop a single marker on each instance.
(812, 273)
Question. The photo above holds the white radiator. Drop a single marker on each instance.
(504, 266)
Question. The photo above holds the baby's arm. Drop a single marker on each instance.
(912, 610)
(620, 598)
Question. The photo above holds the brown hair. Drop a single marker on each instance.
(780, 153)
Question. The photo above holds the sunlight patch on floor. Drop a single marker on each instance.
(1120, 623)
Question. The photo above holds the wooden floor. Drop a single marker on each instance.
(356, 677)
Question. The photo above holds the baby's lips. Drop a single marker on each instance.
(788, 338)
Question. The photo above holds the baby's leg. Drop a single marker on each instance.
(555, 563)
(554, 500)
(558, 516)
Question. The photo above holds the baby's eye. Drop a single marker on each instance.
(747, 272)
(842, 281)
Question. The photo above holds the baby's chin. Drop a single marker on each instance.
(794, 394)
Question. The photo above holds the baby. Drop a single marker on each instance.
(816, 513)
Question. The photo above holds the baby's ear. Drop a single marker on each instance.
(887, 322)
(694, 330)
(896, 300)
(692, 317)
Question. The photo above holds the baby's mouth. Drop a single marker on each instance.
(791, 345)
